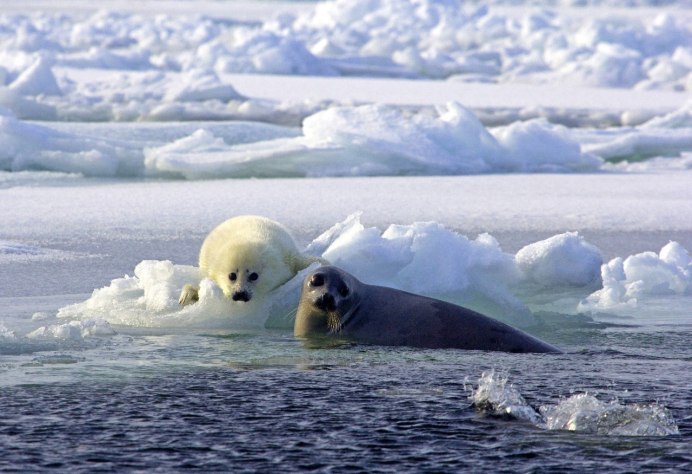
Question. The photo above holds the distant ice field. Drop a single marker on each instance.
(116, 64)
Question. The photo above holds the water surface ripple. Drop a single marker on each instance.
(352, 409)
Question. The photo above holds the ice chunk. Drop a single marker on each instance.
(201, 85)
(73, 330)
(426, 258)
(378, 140)
(6, 333)
(641, 276)
(37, 79)
(537, 145)
(150, 299)
(31, 146)
(565, 259)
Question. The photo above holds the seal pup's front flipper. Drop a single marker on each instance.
(188, 295)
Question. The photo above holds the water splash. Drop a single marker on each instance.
(584, 412)
(494, 395)
(581, 412)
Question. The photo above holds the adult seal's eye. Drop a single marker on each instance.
(253, 276)
(232, 276)
(317, 280)
(343, 290)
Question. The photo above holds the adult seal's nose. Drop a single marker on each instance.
(326, 302)
(241, 296)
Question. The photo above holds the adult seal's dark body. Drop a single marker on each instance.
(336, 304)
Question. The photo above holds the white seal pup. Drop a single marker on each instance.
(334, 303)
(247, 257)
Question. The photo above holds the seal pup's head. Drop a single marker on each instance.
(245, 269)
(328, 299)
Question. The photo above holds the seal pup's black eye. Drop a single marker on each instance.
(343, 290)
(232, 276)
(317, 280)
(253, 276)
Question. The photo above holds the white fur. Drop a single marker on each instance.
(259, 253)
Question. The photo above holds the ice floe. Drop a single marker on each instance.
(424, 258)
(476, 272)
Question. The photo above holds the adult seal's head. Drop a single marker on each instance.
(329, 298)
(334, 304)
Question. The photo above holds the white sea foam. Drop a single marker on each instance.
(581, 412)
(494, 395)
(586, 413)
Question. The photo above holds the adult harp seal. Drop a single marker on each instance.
(334, 303)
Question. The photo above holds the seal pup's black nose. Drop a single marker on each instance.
(241, 296)
(326, 302)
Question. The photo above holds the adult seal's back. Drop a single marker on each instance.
(336, 304)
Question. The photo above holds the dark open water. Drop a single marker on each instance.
(210, 403)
